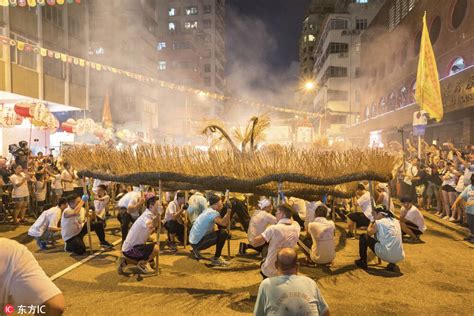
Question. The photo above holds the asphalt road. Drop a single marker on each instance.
(436, 278)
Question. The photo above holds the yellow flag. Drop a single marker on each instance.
(4, 3)
(20, 45)
(428, 91)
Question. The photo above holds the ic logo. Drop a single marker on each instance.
(9, 309)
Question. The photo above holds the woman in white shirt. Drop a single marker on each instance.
(40, 192)
(448, 189)
(20, 194)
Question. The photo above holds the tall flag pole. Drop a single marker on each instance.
(428, 91)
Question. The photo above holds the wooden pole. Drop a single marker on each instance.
(84, 188)
(333, 210)
(226, 200)
(158, 229)
(185, 242)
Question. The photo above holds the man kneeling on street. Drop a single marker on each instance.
(135, 246)
(289, 293)
(202, 235)
(74, 228)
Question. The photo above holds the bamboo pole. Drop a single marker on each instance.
(158, 229)
(226, 200)
(333, 210)
(84, 188)
(185, 242)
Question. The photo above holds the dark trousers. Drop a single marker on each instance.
(365, 241)
(470, 223)
(298, 219)
(176, 228)
(76, 243)
(240, 209)
(217, 238)
(126, 221)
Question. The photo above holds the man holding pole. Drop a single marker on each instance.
(203, 235)
(73, 229)
(135, 246)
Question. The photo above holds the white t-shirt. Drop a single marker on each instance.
(258, 223)
(365, 203)
(385, 201)
(49, 218)
(72, 226)
(101, 206)
(22, 190)
(22, 281)
(140, 231)
(299, 205)
(171, 211)
(451, 179)
(56, 182)
(323, 249)
(98, 182)
(389, 240)
(40, 191)
(414, 215)
(67, 176)
(411, 172)
(130, 198)
(284, 234)
(311, 210)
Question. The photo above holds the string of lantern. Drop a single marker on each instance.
(44, 52)
(33, 3)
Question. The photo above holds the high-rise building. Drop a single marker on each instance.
(336, 68)
(389, 58)
(191, 51)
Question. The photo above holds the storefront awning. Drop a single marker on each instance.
(13, 98)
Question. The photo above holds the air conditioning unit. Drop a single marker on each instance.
(344, 32)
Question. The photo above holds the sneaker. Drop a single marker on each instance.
(42, 245)
(361, 264)
(219, 262)
(413, 240)
(446, 217)
(468, 238)
(144, 268)
(122, 263)
(452, 219)
(242, 248)
(391, 267)
(196, 254)
(106, 244)
(172, 246)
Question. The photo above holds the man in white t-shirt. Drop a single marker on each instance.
(412, 221)
(284, 234)
(289, 293)
(74, 228)
(67, 179)
(97, 182)
(101, 202)
(23, 282)
(20, 193)
(203, 235)
(173, 221)
(45, 229)
(135, 246)
(311, 212)
(387, 245)
(129, 210)
(358, 219)
(321, 231)
(260, 220)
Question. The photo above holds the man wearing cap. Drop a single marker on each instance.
(203, 235)
(261, 218)
(284, 234)
(412, 221)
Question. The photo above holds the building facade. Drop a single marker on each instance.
(390, 51)
(336, 68)
(191, 51)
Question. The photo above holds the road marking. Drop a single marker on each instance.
(77, 264)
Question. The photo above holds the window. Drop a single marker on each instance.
(172, 26)
(185, 65)
(358, 72)
(435, 28)
(172, 12)
(334, 71)
(191, 11)
(311, 26)
(456, 66)
(53, 14)
(207, 53)
(74, 28)
(206, 24)
(207, 68)
(335, 48)
(161, 45)
(362, 1)
(459, 13)
(190, 25)
(398, 11)
(338, 119)
(162, 65)
(311, 38)
(54, 67)
(207, 8)
(338, 24)
(361, 24)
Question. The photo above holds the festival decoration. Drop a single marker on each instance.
(127, 136)
(139, 77)
(33, 3)
(8, 117)
(87, 126)
(39, 115)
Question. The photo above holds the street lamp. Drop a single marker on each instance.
(309, 85)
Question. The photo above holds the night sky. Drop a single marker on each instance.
(283, 21)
